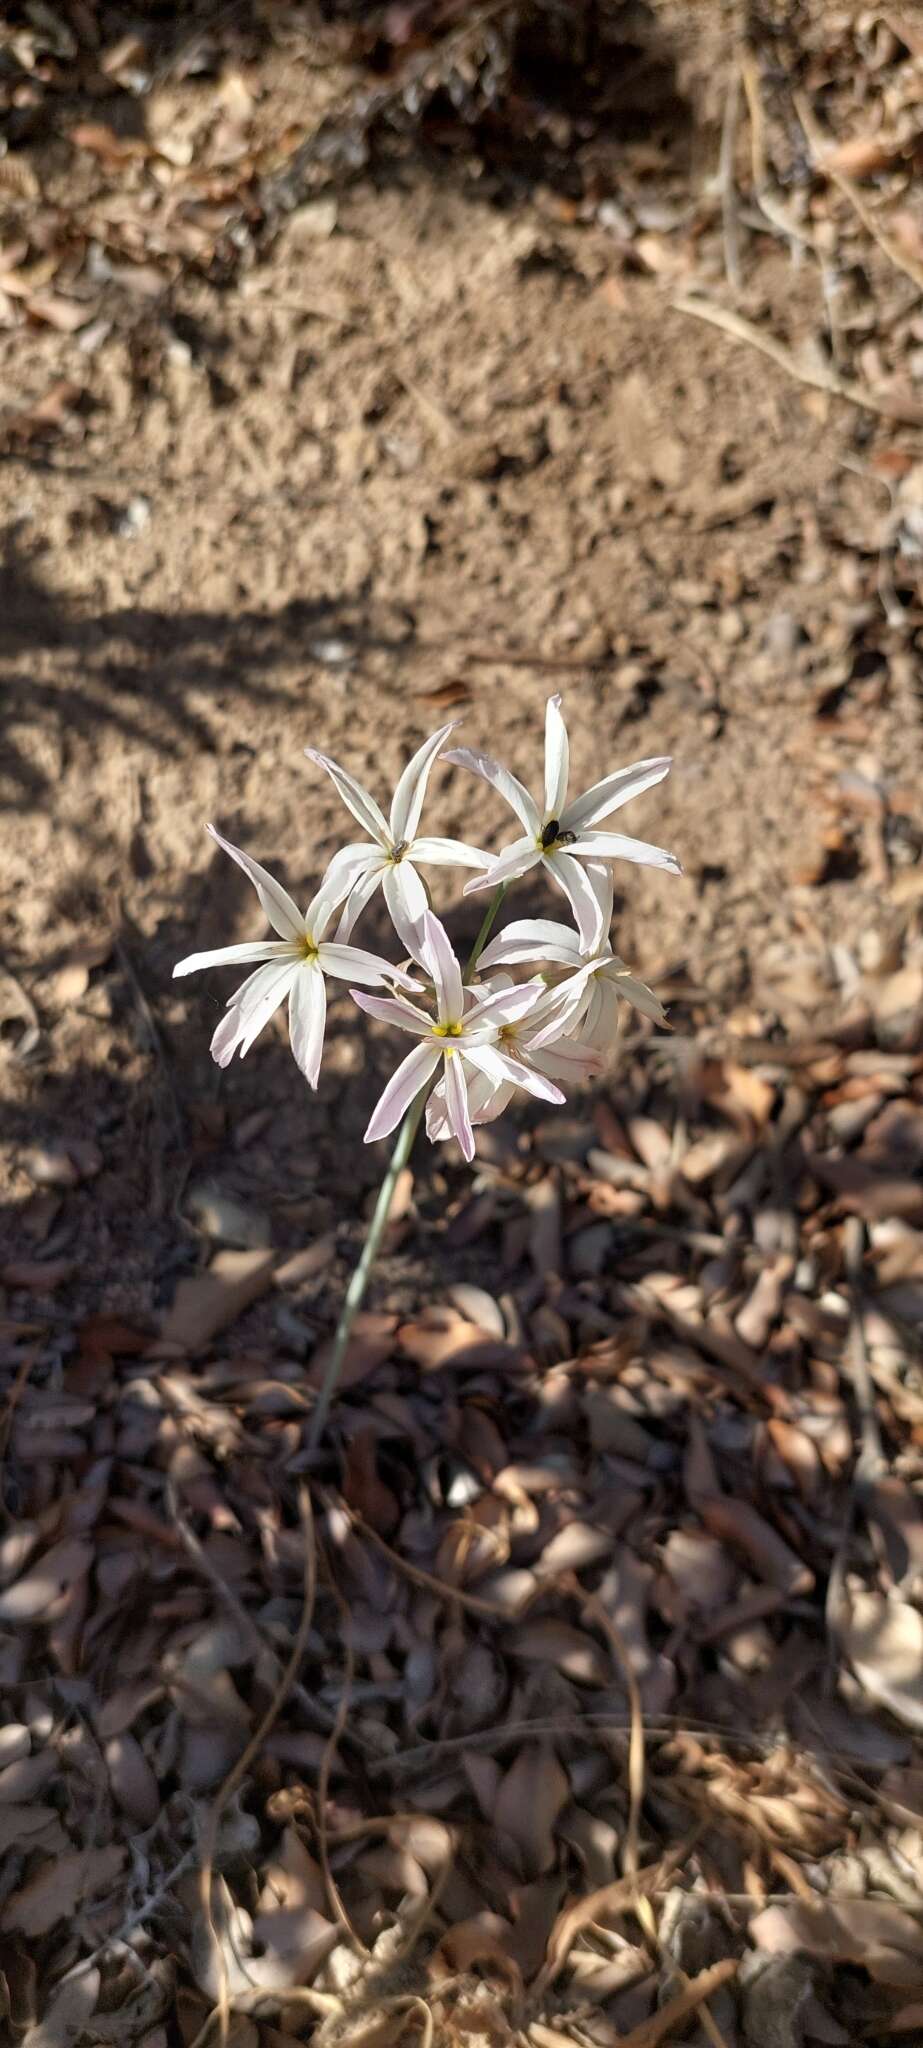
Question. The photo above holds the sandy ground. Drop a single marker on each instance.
(441, 451)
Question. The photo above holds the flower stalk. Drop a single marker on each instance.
(355, 1292)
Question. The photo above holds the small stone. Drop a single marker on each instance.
(782, 635)
(49, 1167)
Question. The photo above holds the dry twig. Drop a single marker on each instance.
(815, 376)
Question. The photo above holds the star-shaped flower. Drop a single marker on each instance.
(599, 981)
(391, 859)
(541, 1040)
(559, 835)
(463, 1040)
(294, 964)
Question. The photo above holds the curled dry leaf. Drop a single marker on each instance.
(883, 1640)
(871, 1932)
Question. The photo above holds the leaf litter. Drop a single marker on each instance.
(600, 1720)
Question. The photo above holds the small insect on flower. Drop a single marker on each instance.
(561, 835)
(293, 965)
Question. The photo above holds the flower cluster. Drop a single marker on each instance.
(475, 1043)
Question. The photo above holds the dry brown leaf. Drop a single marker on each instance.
(207, 1303)
(528, 1800)
(883, 1640)
(480, 1943)
(871, 1932)
(38, 1589)
(549, 1641)
(56, 1890)
(738, 1524)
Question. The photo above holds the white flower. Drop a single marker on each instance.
(603, 980)
(460, 1038)
(292, 965)
(540, 1041)
(395, 848)
(559, 834)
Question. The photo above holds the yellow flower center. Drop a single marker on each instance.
(307, 948)
(447, 1030)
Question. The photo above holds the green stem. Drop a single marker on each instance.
(355, 1292)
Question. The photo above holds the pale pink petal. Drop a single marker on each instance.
(613, 846)
(352, 963)
(445, 970)
(514, 860)
(561, 1005)
(613, 791)
(403, 1089)
(571, 877)
(499, 1066)
(307, 1018)
(230, 956)
(556, 759)
(407, 802)
(395, 1010)
(505, 784)
(568, 1060)
(407, 903)
(533, 938)
(448, 853)
(361, 893)
(437, 1122)
(456, 1105)
(356, 799)
(284, 915)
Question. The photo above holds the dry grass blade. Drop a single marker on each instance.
(323, 1781)
(887, 408)
(663, 2025)
(820, 150)
(619, 1897)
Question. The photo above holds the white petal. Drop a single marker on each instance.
(571, 877)
(407, 802)
(613, 846)
(556, 759)
(445, 970)
(403, 1089)
(307, 1018)
(600, 1026)
(506, 785)
(613, 791)
(499, 1066)
(635, 992)
(340, 880)
(448, 853)
(352, 963)
(255, 1002)
(356, 799)
(456, 1105)
(360, 894)
(514, 860)
(533, 938)
(407, 903)
(602, 883)
(503, 1005)
(284, 915)
(394, 1010)
(228, 956)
